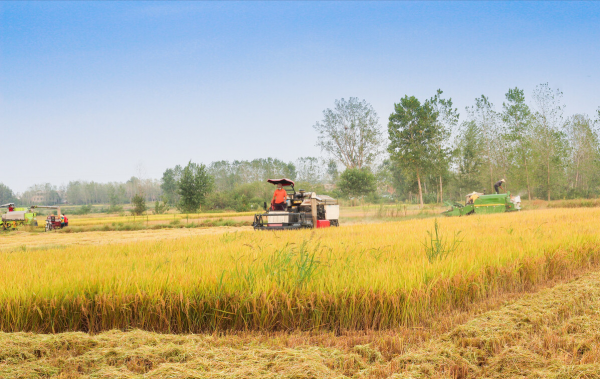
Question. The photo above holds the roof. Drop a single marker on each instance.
(284, 182)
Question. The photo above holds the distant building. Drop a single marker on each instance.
(38, 197)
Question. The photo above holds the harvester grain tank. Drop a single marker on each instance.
(478, 203)
(303, 210)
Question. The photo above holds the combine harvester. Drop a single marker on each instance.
(16, 217)
(478, 203)
(303, 210)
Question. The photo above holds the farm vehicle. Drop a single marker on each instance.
(16, 217)
(301, 210)
(57, 221)
(478, 203)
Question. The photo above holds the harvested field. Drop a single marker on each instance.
(554, 333)
(359, 277)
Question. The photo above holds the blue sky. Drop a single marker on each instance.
(96, 90)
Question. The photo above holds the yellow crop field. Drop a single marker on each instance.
(369, 276)
(86, 221)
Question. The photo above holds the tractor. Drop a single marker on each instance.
(478, 203)
(302, 210)
(16, 217)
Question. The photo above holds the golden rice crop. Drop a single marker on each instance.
(356, 277)
(86, 221)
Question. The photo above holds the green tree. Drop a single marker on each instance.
(550, 142)
(139, 204)
(446, 119)
(6, 194)
(161, 208)
(517, 117)
(350, 133)
(584, 156)
(355, 182)
(195, 183)
(412, 134)
(169, 183)
(486, 118)
(468, 159)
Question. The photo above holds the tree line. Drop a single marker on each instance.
(429, 152)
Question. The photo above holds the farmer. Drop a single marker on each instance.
(279, 197)
(498, 185)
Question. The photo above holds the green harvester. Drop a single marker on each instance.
(16, 217)
(478, 203)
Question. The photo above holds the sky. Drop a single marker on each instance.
(104, 91)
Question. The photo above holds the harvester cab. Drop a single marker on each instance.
(15, 217)
(302, 210)
(479, 203)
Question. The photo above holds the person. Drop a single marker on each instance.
(11, 208)
(279, 197)
(498, 185)
(473, 198)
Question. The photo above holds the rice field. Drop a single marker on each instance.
(357, 277)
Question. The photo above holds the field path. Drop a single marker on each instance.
(554, 333)
(19, 239)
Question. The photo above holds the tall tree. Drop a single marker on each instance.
(412, 135)
(468, 154)
(169, 184)
(446, 119)
(485, 117)
(6, 194)
(350, 133)
(584, 149)
(550, 141)
(517, 117)
(194, 185)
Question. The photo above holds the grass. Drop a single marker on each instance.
(360, 277)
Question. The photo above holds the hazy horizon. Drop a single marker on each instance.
(104, 90)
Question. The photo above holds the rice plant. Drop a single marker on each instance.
(361, 276)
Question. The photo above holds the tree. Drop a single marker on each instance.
(446, 119)
(412, 133)
(355, 182)
(195, 183)
(517, 117)
(584, 160)
(6, 194)
(550, 144)
(161, 208)
(139, 204)
(468, 155)
(485, 117)
(169, 183)
(350, 133)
